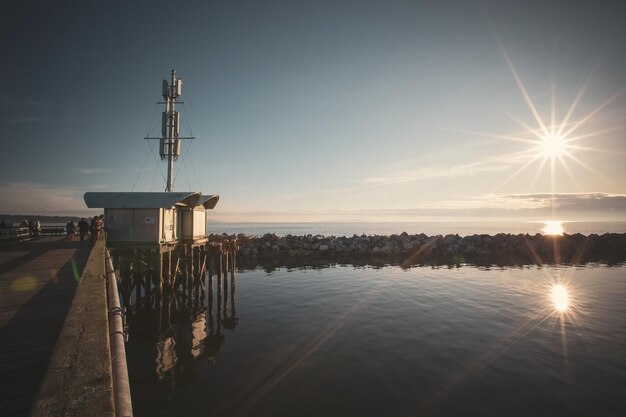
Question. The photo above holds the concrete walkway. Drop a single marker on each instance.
(38, 280)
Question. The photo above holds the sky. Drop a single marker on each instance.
(322, 110)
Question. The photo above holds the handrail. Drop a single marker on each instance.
(14, 233)
(121, 383)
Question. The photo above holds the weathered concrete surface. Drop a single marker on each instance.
(78, 379)
(38, 280)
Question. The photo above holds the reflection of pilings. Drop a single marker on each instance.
(184, 331)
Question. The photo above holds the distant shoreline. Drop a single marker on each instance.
(18, 218)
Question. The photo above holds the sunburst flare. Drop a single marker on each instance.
(555, 144)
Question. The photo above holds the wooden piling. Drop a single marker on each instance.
(233, 283)
(150, 272)
(159, 273)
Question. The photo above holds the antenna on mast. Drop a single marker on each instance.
(169, 142)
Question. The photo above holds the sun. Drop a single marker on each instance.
(553, 146)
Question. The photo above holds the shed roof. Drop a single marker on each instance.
(208, 201)
(147, 199)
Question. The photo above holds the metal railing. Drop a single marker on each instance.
(121, 383)
(14, 233)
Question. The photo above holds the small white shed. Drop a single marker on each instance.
(193, 220)
(149, 218)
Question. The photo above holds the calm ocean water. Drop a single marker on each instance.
(389, 228)
(429, 228)
(344, 341)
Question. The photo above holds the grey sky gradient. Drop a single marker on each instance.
(312, 107)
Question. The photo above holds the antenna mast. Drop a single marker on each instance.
(169, 142)
(169, 147)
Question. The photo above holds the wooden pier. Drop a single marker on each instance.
(38, 280)
(149, 274)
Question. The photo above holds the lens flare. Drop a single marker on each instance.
(560, 298)
(554, 141)
(23, 284)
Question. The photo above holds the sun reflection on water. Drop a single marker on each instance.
(553, 228)
(560, 298)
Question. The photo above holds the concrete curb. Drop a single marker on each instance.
(78, 378)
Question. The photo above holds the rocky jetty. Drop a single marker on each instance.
(409, 250)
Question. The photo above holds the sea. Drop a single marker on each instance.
(346, 340)
(429, 228)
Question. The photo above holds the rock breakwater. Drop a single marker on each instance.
(419, 249)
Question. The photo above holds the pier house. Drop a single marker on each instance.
(147, 219)
(193, 220)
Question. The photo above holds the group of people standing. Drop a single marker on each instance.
(34, 227)
(93, 227)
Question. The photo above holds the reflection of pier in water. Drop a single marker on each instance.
(173, 327)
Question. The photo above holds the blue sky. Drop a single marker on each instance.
(338, 110)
